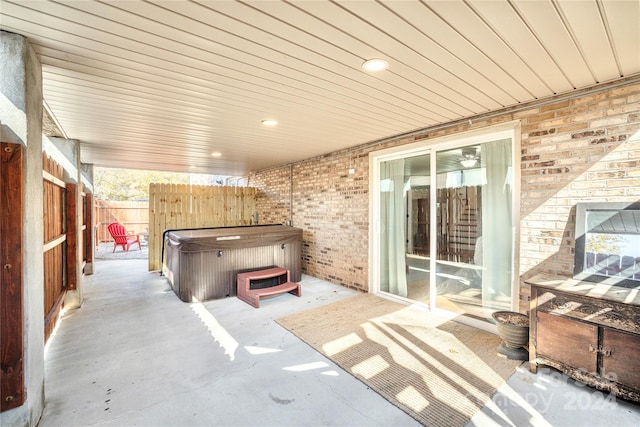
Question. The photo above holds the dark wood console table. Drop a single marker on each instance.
(589, 331)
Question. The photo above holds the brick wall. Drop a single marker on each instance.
(332, 208)
(582, 149)
(586, 149)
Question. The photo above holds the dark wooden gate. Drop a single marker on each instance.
(61, 243)
(55, 250)
(12, 393)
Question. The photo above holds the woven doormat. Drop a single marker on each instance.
(439, 372)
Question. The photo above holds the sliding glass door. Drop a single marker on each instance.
(404, 227)
(443, 225)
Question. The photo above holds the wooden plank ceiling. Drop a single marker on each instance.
(163, 84)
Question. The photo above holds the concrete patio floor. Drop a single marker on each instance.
(135, 354)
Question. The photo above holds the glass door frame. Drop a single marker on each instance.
(509, 130)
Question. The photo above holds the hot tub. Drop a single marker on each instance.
(203, 264)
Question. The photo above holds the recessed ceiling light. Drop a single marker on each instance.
(269, 122)
(374, 65)
(216, 154)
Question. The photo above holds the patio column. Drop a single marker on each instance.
(21, 131)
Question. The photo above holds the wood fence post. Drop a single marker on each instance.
(88, 228)
(72, 237)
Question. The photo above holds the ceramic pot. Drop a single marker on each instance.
(513, 328)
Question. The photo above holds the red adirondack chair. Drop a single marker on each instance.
(122, 238)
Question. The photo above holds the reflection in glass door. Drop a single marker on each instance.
(474, 233)
(404, 227)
